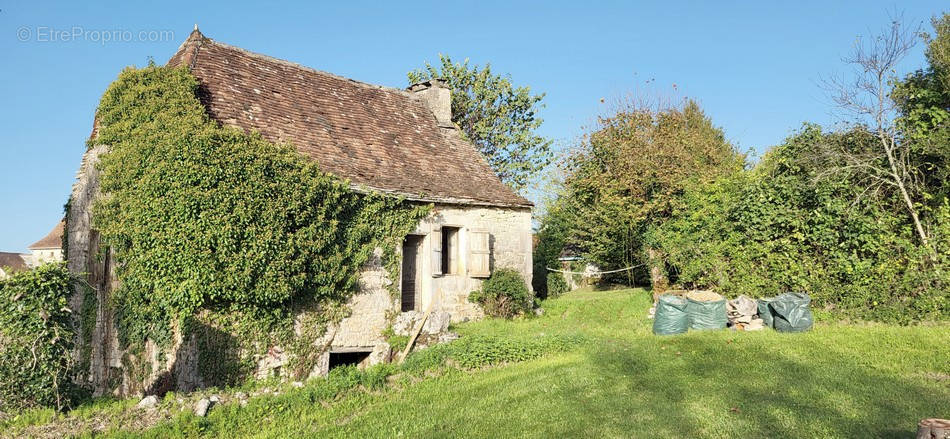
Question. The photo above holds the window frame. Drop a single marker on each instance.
(450, 252)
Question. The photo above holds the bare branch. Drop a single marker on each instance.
(866, 98)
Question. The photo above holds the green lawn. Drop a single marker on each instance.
(836, 381)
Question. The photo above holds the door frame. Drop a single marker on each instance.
(418, 243)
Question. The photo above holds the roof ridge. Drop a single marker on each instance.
(380, 138)
(301, 66)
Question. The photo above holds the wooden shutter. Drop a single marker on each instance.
(479, 254)
(436, 243)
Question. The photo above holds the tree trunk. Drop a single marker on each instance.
(888, 144)
(658, 279)
(933, 428)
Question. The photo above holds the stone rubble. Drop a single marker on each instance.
(148, 401)
(437, 323)
(202, 407)
(742, 313)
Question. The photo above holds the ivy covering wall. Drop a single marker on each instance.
(36, 338)
(215, 228)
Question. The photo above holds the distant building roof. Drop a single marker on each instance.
(12, 261)
(382, 138)
(52, 240)
(570, 252)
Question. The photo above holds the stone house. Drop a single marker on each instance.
(393, 141)
(48, 249)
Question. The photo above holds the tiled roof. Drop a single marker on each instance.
(13, 261)
(52, 240)
(381, 138)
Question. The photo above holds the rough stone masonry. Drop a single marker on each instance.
(396, 142)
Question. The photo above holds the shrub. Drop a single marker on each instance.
(777, 228)
(553, 231)
(556, 285)
(505, 294)
(36, 340)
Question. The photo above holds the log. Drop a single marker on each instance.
(933, 428)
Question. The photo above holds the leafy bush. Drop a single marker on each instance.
(626, 175)
(557, 285)
(551, 237)
(778, 228)
(504, 294)
(36, 340)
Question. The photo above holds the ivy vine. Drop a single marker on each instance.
(212, 227)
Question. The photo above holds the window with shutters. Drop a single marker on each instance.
(479, 254)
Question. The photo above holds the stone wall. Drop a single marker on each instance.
(83, 257)
(510, 239)
(373, 309)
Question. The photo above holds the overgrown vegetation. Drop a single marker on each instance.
(36, 340)
(206, 220)
(779, 228)
(471, 352)
(505, 294)
(556, 285)
(858, 216)
(607, 376)
(627, 175)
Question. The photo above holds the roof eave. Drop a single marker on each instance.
(362, 188)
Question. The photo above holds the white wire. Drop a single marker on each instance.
(598, 273)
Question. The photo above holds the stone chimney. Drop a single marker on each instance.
(438, 98)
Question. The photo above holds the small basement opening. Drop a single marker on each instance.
(346, 358)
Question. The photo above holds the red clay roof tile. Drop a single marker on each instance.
(54, 239)
(381, 138)
(12, 262)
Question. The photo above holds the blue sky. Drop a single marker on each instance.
(754, 66)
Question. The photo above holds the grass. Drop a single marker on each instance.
(619, 380)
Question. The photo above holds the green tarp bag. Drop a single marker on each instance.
(791, 313)
(706, 315)
(670, 316)
(765, 313)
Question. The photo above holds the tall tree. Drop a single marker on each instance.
(923, 100)
(889, 166)
(499, 118)
(629, 172)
